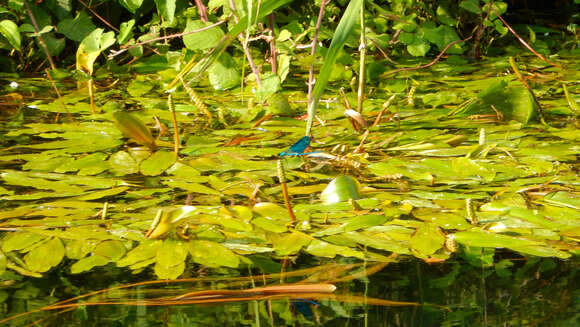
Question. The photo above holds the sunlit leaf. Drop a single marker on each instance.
(45, 256)
(212, 254)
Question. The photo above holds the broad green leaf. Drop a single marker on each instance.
(471, 5)
(223, 74)
(167, 9)
(9, 30)
(126, 32)
(78, 28)
(144, 253)
(157, 163)
(211, 254)
(201, 40)
(287, 244)
(323, 249)
(123, 163)
(20, 240)
(427, 239)
(91, 47)
(562, 198)
(111, 249)
(270, 225)
(131, 5)
(418, 49)
(270, 85)
(133, 128)
(88, 263)
(170, 260)
(341, 189)
(45, 256)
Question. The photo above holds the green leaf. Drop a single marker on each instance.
(126, 32)
(167, 9)
(45, 256)
(143, 253)
(323, 249)
(20, 240)
(78, 28)
(287, 244)
(211, 254)
(170, 260)
(134, 128)
(131, 5)
(112, 249)
(201, 40)
(123, 163)
(471, 5)
(88, 263)
(3, 262)
(157, 163)
(427, 239)
(418, 49)
(343, 31)
(91, 47)
(9, 30)
(270, 85)
(223, 74)
(341, 189)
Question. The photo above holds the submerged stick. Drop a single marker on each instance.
(282, 178)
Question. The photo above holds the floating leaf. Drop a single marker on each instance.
(88, 263)
(212, 254)
(341, 189)
(45, 256)
(111, 249)
(427, 239)
(133, 128)
(324, 249)
(170, 260)
(287, 244)
(157, 163)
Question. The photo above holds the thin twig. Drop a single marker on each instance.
(172, 36)
(40, 39)
(313, 51)
(59, 98)
(522, 40)
(429, 64)
(529, 88)
(99, 17)
(282, 178)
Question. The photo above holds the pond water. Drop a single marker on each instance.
(461, 206)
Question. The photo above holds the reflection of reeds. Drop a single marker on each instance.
(317, 284)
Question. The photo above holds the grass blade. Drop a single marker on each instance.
(345, 26)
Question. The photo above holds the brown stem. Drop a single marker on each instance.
(429, 64)
(166, 37)
(272, 42)
(202, 11)
(99, 17)
(40, 39)
(282, 178)
(313, 50)
(522, 40)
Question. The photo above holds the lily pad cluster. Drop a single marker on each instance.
(440, 178)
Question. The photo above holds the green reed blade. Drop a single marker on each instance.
(345, 26)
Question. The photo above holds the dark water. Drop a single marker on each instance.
(514, 292)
